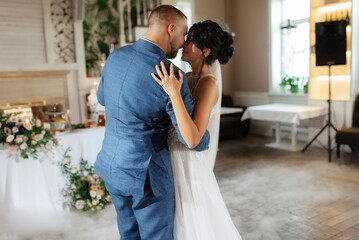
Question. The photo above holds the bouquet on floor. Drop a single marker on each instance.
(28, 137)
(84, 190)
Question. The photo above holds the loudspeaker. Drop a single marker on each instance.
(331, 43)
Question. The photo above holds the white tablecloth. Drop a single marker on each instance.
(288, 113)
(33, 186)
(230, 110)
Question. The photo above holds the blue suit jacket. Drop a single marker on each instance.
(138, 114)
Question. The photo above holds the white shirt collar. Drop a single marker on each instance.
(151, 42)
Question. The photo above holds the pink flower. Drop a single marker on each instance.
(66, 160)
(24, 139)
(99, 192)
(108, 198)
(49, 144)
(21, 121)
(37, 137)
(28, 126)
(13, 119)
(79, 204)
(95, 176)
(11, 149)
(38, 123)
(7, 130)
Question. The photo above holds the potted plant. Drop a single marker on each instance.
(305, 84)
(292, 82)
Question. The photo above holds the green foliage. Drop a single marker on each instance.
(84, 190)
(294, 82)
(100, 28)
(30, 138)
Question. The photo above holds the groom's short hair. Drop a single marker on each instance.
(165, 14)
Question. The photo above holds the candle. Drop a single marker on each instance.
(93, 92)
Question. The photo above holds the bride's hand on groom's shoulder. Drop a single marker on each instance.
(168, 82)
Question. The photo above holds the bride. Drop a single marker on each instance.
(200, 212)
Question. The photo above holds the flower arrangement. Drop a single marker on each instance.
(30, 138)
(294, 83)
(84, 190)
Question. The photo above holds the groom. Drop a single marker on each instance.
(134, 160)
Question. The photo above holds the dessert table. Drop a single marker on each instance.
(33, 186)
(283, 113)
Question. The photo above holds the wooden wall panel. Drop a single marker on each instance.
(22, 32)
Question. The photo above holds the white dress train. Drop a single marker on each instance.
(200, 212)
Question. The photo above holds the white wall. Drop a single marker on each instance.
(251, 24)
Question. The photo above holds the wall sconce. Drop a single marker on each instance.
(289, 25)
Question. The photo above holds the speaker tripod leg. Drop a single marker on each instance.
(329, 144)
(316, 136)
(335, 129)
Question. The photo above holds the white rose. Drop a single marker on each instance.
(18, 140)
(23, 146)
(33, 142)
(73, 170)
(47, 126)
(99, 197)
(43, 132)
(10, 138)
(93, 193)
(13, 119)
(15, 129)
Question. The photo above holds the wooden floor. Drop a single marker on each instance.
(335, 219)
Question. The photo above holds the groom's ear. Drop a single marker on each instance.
(171, 29)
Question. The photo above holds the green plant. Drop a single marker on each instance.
(100, 27)
(291, 81)
(84, 190)
(305, 83)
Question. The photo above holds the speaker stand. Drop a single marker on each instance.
(329, 124)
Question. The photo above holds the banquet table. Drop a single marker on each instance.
(34, 186)
(283, 113)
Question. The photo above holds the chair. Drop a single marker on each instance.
(350, 136)
(231, 125)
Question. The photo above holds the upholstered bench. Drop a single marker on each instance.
(350, 136)
(231, 125)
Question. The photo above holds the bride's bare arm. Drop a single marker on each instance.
(192, 130)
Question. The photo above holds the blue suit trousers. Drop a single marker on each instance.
(143, 216)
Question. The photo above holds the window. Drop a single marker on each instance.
(290, 48)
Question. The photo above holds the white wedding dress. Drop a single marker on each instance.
(200, 212)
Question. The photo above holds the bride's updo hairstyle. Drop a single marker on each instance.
(209, 34)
